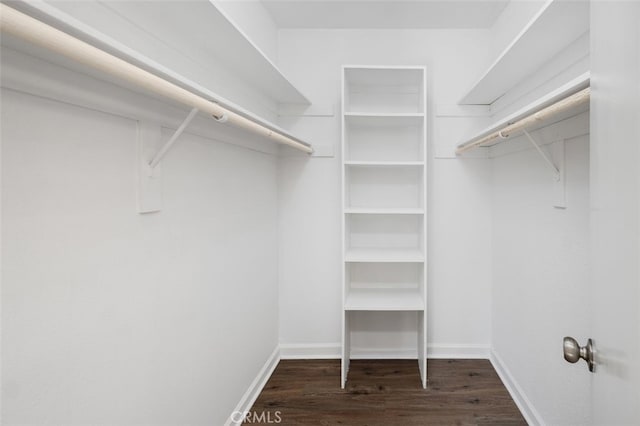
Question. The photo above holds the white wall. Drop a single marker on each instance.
(540, 280)
(459, 197)
(541, 289)
(111, 317)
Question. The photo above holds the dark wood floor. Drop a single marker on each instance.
(386, 392)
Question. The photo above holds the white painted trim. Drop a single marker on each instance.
(434, 351)
(252, 393)
(458, 351)
(527, 409)
(310, 350)
(383, 353)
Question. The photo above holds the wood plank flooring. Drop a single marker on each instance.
(385, 392)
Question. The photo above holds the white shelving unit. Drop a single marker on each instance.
(384, 182)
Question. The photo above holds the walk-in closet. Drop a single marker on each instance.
(319, 212)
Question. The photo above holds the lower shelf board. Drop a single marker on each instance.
(383, 210)
(384, 255)
(384, 300)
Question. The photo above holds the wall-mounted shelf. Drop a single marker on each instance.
(196, 29)
(563, 103)
(553, 28)
(24, 30)
(57, 19)
(490, 136)
(206, 26)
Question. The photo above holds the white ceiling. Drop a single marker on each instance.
(385, 13)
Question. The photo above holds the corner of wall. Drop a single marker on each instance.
(236, 417)
(525, 406)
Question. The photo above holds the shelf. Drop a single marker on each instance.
(384, 163)
(392, 232)
(399, 211)
(418, 115)
(554, 27)
(383, 76)
(384, 255)
(384, 187)
(381, 276)
(384, 300)
(127, 26)
(28, 80)
(384, 138)
(379, 90)
(570, 88)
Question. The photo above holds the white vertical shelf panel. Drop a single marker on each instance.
(384, 181)
(346, 334)
(422, 315)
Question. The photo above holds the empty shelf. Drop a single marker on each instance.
(384, 163)
(384, 255)
(418, 115)
(384, 300)
(390, 210)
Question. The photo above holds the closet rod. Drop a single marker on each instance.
(18, 24)
(562, 105)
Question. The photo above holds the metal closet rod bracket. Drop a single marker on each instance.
(167, 146)
(545, 156)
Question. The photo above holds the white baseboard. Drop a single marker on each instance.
(434, 351)
(383, 353)
(333, 351)
(527, 409)
(310, 350)
(458, 351)
(252, 393)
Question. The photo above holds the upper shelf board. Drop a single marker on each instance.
(53, 16)
(554, 27)
(381, 77)
(198, 29)
(551, 98)
(384, 91)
